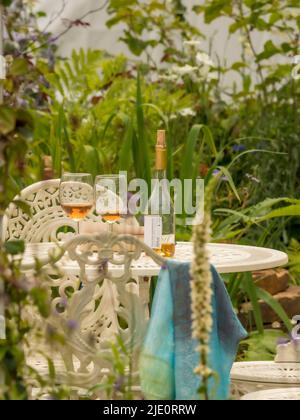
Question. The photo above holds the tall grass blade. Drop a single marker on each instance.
(191, 158)
(276, 306)
(142, 153)
(251, 290)
(127, 146)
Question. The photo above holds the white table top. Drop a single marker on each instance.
(226, 258)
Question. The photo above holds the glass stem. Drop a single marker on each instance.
(78, 227)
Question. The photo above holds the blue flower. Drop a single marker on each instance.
(223, 178)
(238, 148)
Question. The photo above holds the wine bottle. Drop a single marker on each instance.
(159, 223)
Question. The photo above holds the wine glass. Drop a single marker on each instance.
(76, 195)
(108, 193)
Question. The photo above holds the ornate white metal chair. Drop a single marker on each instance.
(92, 310)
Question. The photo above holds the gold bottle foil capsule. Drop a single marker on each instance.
(161, 151)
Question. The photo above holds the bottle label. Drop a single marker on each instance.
(153, 231)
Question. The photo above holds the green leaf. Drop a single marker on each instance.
(127, 145)
(41, 14)
(275, 17)
(217, 8)
(14, 247)
(51, 368)
(191, 154)
(246, 83)
(6, 2)
(19, 67)
(7, 120)
(69, 146)
(251, 290)
(236, 158)
(92, 162)
(260, 347)
(108, 123)
(230, 181)
(269, 50)
(237, 25)
(142, 152)
(136, 45)
(293, 210)
(56, 150)
(40, 298)
(276, 306)
(238, 65)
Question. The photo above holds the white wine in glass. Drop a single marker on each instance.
(109, 204)
(76, 195)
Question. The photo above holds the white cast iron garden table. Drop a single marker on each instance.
(226, 258)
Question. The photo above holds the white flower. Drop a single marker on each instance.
(184, 70)
(169, 77)
(192, 43)
(204, 71)
(212, 76)
(187, 112)
(203, 58)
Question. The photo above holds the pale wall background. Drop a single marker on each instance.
(98, 36)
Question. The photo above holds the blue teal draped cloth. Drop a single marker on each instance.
(169, 355)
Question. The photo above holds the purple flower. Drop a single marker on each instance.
(216, 172)
(238, 148)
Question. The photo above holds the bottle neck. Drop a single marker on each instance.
(160, 174)
(160, 162)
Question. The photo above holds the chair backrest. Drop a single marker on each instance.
(93, 305)
(47, 219)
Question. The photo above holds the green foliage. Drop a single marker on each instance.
(14, 247)
(260, 347)
(20, 294)
(294, 261)
(150, 24)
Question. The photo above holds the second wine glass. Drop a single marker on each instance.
(108, 195)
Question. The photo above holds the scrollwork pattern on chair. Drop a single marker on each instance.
(46, 220)
(101, 306)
